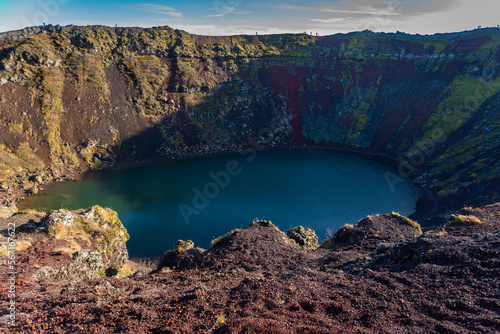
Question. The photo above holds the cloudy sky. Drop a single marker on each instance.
(227, 17)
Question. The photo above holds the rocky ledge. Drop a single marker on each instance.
(381, 276)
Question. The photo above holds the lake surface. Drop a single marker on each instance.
(205, 197)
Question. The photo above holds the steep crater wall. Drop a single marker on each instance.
(80, 97)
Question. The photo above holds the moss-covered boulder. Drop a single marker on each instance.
(304, 236)
(184, 245)
(100, 235)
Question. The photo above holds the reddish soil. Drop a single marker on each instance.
(377, 278)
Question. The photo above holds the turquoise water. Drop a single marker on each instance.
(204, 197)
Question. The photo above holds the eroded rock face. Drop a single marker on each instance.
(99, 230)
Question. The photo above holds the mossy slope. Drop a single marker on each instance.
(138, 93)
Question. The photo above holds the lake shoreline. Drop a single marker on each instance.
(427, 206)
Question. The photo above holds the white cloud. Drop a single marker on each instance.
(368, 10)
(220, 30)
(153, 8)
(335, 13)
(229, 10)
(328, 21)
(380, 7)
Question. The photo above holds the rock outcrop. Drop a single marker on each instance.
(304, 236)
(87, 264)
(90, 243)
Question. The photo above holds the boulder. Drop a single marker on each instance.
(88, 264)
(184, 245)
(100, 228)
(33, 191)
(304, 236)
(7, 211)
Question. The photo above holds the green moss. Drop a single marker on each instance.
(148, 73)
(464, 96)
(15, 161)
(460, 158)
(435, 46)
(48, 88)
(441, 230)
(16, 127)
(406, 120)
(87, 67)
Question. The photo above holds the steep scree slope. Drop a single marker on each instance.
(77, 97)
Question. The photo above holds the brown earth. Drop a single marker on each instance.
(377, 277)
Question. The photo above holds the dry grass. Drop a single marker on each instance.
(16, 160)
(61, 231)
(416, 226)
(462, 219)
(214, 242)
(128, 269)
(31, 212)
(21, 244)
(345, 228)
(147, 265)
(165, 270)
(72, 248)
(328, 243)
(221, 319)
(90, 226)
(441, 230)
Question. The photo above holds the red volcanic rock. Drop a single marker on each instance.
(378, 277)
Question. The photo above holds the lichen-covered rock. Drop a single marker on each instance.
(62, 217)
(100, 228)
(7, 211)
(88, 264)
(304, 236)
(104, 224)
(184, 245)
